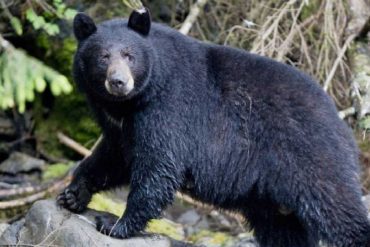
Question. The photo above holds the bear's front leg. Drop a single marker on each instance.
(151, 191)
(77, 194)
(94, 174)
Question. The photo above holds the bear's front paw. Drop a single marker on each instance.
(74, 198)
(112, 226)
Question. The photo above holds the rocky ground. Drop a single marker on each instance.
(32, 178)
(47, 225)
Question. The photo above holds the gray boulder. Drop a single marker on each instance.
(47, 225)
(20, 162)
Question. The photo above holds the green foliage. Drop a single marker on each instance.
(39, 22)
(56, 171)
(58, 52)
(70, 116)
(23, 75)
(44, 21)
(63, 11)
(16, 25)
(364, 123)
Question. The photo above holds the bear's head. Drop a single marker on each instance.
(114, 58)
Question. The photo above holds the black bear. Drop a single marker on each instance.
(229, 128)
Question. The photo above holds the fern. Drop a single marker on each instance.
(22, 75)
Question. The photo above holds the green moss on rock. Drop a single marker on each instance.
(102, 202)
(56, 171)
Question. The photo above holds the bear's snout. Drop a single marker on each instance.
(119, 80)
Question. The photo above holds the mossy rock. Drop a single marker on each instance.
(56, 171)
(102, 202)
(211, 239)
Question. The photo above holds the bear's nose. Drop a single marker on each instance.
(116, 83)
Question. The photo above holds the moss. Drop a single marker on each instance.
(166, 227)
(210, 238)
(58, 51)
(102, 202)
(69, 115)
(56, 171)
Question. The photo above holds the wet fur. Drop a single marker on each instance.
(229, 128)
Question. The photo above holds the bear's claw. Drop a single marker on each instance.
(112, 226)
(74, 199)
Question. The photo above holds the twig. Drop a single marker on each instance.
(96, 143)
(18, 191)
(73, 144)
(337, 61)
(192, 16)
(347, 112)
(56, 186)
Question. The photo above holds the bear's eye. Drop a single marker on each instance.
(105, 56)
(127, 56)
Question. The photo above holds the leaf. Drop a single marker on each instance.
(40, 84)
(16, 24)
(55, 88)
(64, 84)
(31, 75)
(69, 14)
(30, 15)
(36, 20)
(365, 123)
(51, 29)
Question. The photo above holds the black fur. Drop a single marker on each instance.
(140, 21)
(83, 26)
(229, 128)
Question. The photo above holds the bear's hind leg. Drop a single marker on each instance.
(274, 228)
(339, 218)
(329, 207)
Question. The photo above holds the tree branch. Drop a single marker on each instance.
(192, 16)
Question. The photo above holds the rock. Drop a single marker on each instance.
(46, 224)
(190, 217)
(19, 162)
(221, 221)
(7, 128)
(10, 234)
(359, 11)
(3, 227)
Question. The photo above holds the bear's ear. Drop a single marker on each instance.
(83, 26)
(140, 21)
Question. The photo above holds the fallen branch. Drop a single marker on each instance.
(73, 144)
(192, 16)
(52, 188)
(347, 112)
(17, 191)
